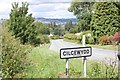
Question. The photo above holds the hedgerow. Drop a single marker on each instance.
(70, 36)
(13, 55)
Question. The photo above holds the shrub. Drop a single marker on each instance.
(70, 36)
(22, 24)
(91, 40)
(116, 37)
(104, 40)
(85, 32)
(55, 37)
(110, 39)
(13, 55)
(43, 39)
(46, 39)
(37, 41)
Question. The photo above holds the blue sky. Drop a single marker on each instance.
(40, 8)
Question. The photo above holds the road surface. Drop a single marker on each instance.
(97, 54)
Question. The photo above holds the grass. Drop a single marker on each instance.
(109, 47)
(47, 64)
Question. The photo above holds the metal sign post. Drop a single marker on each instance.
(67, 68)
(76, 52)
(84, 64)
(83, 41)
(84, 58)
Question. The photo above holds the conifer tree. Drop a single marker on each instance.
(22, 23)
(105, 20)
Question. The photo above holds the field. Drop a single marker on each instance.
(45, 63)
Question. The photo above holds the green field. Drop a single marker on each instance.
(47, 64)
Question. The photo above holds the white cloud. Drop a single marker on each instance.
(40, 8)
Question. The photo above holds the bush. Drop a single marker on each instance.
(116, 37)
(111, 40)
(43, 39)
(104, 40)
(13, 55)
(36, 41)
(91, 40)
(86, 32)
(70, 36)
(55, 37)
(46, 39)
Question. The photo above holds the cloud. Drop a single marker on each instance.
(54, 14)
(40, 8)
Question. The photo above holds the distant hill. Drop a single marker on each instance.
(62, 20)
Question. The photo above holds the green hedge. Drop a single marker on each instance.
(56, 37)
(43, 39)
(13, 55)
(70, 36)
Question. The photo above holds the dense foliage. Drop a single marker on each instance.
(70, 36)
(13, 55)
(22, 24)
(43, 39)
(56, 37)
(68, 25)
(101, 18)
(105, 20)
(43, 31)
(74, 29)
(83, 12)
(56, 29)
(42, 28)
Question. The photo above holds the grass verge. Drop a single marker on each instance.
(47, 64)
(109, 47)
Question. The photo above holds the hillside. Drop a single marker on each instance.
(62, 20)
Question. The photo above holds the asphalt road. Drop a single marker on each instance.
(97, 54)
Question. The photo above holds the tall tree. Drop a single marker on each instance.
(68, 25)
(22, 23)
(105, 20)
(59, 31)
(83, 12)
(42, 28)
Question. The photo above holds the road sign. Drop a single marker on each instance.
(76, 52)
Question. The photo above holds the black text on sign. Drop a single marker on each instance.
(75, 52)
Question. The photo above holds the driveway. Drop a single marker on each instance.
(97, 54)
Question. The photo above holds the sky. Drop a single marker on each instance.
(40, 8)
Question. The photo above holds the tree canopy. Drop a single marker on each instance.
(42, 28)
(68, 25)
(83, 12)
(22, 23)
(106, 19)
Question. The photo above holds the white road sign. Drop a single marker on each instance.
(75, 52)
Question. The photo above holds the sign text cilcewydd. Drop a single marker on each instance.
(75, 52)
